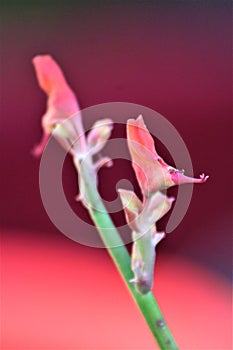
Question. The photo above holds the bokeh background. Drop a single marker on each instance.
(171, 56)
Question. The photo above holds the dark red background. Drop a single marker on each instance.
(174, 57)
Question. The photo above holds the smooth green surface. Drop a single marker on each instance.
(110, 236)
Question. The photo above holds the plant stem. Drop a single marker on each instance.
(115, 246)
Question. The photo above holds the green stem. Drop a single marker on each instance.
(115, 246)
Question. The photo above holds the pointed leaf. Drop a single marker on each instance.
(132, 207)
(99, 134)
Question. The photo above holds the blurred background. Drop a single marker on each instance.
(171, 56)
